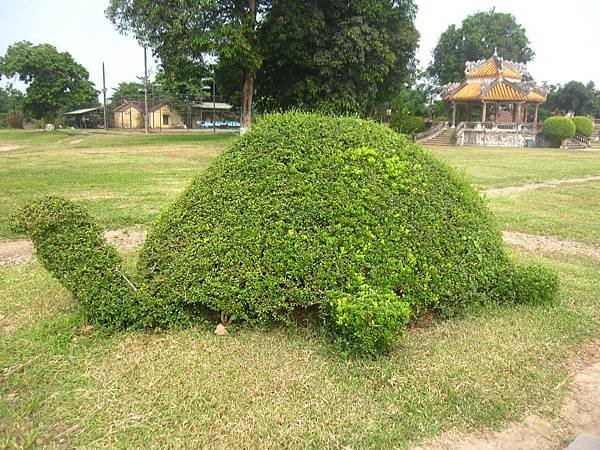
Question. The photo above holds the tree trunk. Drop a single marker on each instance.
(247, 92)
(249, 76)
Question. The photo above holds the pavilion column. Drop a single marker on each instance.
(483, 111)
(517, 113)
(535, 114)
(453, 114)
(525, 115)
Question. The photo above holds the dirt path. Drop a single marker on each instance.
(496, 192)
(579, 414)
(21, 251)
(550, 244)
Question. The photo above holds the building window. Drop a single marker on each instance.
(165, 119)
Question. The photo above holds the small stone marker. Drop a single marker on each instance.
(585, 441)
(220, 330)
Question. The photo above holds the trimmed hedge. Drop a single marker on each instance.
(71, 247)
(583, 126)
(303, 213)
(405, 124)
(558, 128)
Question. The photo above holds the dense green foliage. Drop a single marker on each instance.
(303, 213)
(308, 209)
(406, 124)
(477, 38)
(11, 107)
(56, 82)
(583, 125)
(366, 321)
(574, 96)
(71, 247)
(307, 46)
(558, 128)
(293, 51)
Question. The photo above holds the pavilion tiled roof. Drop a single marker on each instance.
(494, 80)
(493, 68)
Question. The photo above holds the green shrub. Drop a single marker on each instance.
(406, 124)
(558, 128)
(532, 284)
(304, 212)
(366, 322)
(583, 126)
(72, 248)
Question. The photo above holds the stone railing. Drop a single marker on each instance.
(432, 132)
(582, 139)
(502, 127)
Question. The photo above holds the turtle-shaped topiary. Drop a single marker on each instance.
(319, 213)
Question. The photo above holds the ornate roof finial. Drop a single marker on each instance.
(495, 51)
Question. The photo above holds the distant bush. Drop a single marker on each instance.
(406, 124)
(14, 119)
(72, 248)
(558, 128)
(583, 126)
(304, 212)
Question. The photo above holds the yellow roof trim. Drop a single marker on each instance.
(535, 97)
(470, 91)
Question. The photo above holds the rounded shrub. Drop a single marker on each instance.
(305, 205)
(583, 126)
(367, 321)
(558, 128)
(407, 124)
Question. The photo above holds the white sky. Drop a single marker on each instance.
(564, 35)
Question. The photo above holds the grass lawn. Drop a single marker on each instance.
(65, 384)
(500, 167)
(124, 179)
(571, 212)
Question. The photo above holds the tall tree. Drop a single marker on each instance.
(55, 80)
(477, 38)
(346, 56)
(189, 34)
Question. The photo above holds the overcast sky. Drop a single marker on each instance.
(564, 35)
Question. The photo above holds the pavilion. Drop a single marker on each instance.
(495, 85)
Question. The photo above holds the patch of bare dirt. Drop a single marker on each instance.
(21, 251)
(550, 244)
(8, 148)
(497, 192)
(126, 238)
(580, 413)
(17, 252)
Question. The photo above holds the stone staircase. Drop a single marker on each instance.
(572, 144)
(444, 139)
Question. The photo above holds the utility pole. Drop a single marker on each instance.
(145, 90)
(104, 93)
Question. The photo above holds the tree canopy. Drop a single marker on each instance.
(188, 35)
(574, 96)
(346, 56)
(55, 80)
(477, 38)
(336, 55)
